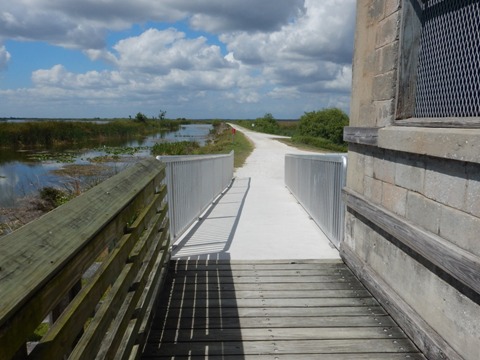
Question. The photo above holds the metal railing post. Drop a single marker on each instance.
(194, 182)
(316, 181)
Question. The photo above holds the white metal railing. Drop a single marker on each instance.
(193, 183)
(316, 181)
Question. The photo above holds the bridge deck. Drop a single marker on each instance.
(271, 310)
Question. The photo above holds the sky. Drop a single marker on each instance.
(229, 59)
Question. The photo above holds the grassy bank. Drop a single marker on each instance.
(321, 130)
(222, 143)
(79, 178)
(54, 133)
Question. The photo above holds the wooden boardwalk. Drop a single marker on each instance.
(271, 310)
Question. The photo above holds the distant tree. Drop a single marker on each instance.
(141, 117)
(162, 114)
(266, 124)
(326, 123)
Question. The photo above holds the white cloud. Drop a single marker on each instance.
(342, 81)
(4, 57)
(158, 52)
(244, 97)
(290, 55)
(241, 15)
(83, 24)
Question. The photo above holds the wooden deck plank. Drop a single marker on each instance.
(338, 346)
(173, 322)
(192, 286)
(264, 279)
(261, 272)
(231, 263)
(251, 267)
(302, 302)
(284, 333)
(273, 294)
(315, 310)
(365, 356)
(328, 316)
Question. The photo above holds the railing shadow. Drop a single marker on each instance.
(198, 315)
(211, 237)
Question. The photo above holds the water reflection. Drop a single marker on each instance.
(21, 174)
(20, 179)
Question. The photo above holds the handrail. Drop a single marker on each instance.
(316, 181)
(193, 183)
(121, 226)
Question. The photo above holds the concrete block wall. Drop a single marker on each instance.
(426, 178)
(375, 71)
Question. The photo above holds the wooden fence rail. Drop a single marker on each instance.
(118, 234)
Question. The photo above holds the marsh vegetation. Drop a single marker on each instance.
(35, 179)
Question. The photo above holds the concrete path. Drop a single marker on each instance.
(257, 218)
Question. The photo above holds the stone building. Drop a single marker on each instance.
(413, 185)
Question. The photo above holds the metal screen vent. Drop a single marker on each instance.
(448, 78)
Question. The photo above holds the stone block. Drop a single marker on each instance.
(472, 204)
(461, 229)
(349, 238)
(410, 172)
(368, 165)
(366, 115)
(448, 143)
(386, 58)
(384, 112)
(388, 30)
(424, 212)
(384, 86)
(373, 189)
(451, 314)
(375, 10)
(355, 173)
(384, 168)
(391, 6)
(445, 182)
(394, 198)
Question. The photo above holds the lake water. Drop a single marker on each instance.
(20, 175)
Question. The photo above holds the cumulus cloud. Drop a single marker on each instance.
(159, 52)
(241, 15)
(59, 77)
(53, 27)
(4, 57)
(291, 55)
(83, 24)
(324, 33)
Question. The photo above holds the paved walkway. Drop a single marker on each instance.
(257, 218)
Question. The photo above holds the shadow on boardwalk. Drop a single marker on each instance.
(211, 237)
(217, 309)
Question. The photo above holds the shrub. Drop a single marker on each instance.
(266, 124)
(52, 197)
(326, 123)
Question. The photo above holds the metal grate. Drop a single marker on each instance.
(448, 78)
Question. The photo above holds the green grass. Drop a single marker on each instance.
(318, 143)
(53, 133)
(175, 148)
(225, 142)
(310, 143)
(222, 143)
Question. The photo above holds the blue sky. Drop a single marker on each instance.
(194, 59)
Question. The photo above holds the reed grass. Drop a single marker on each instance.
(51, 133)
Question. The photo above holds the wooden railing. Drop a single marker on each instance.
(91, 269)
